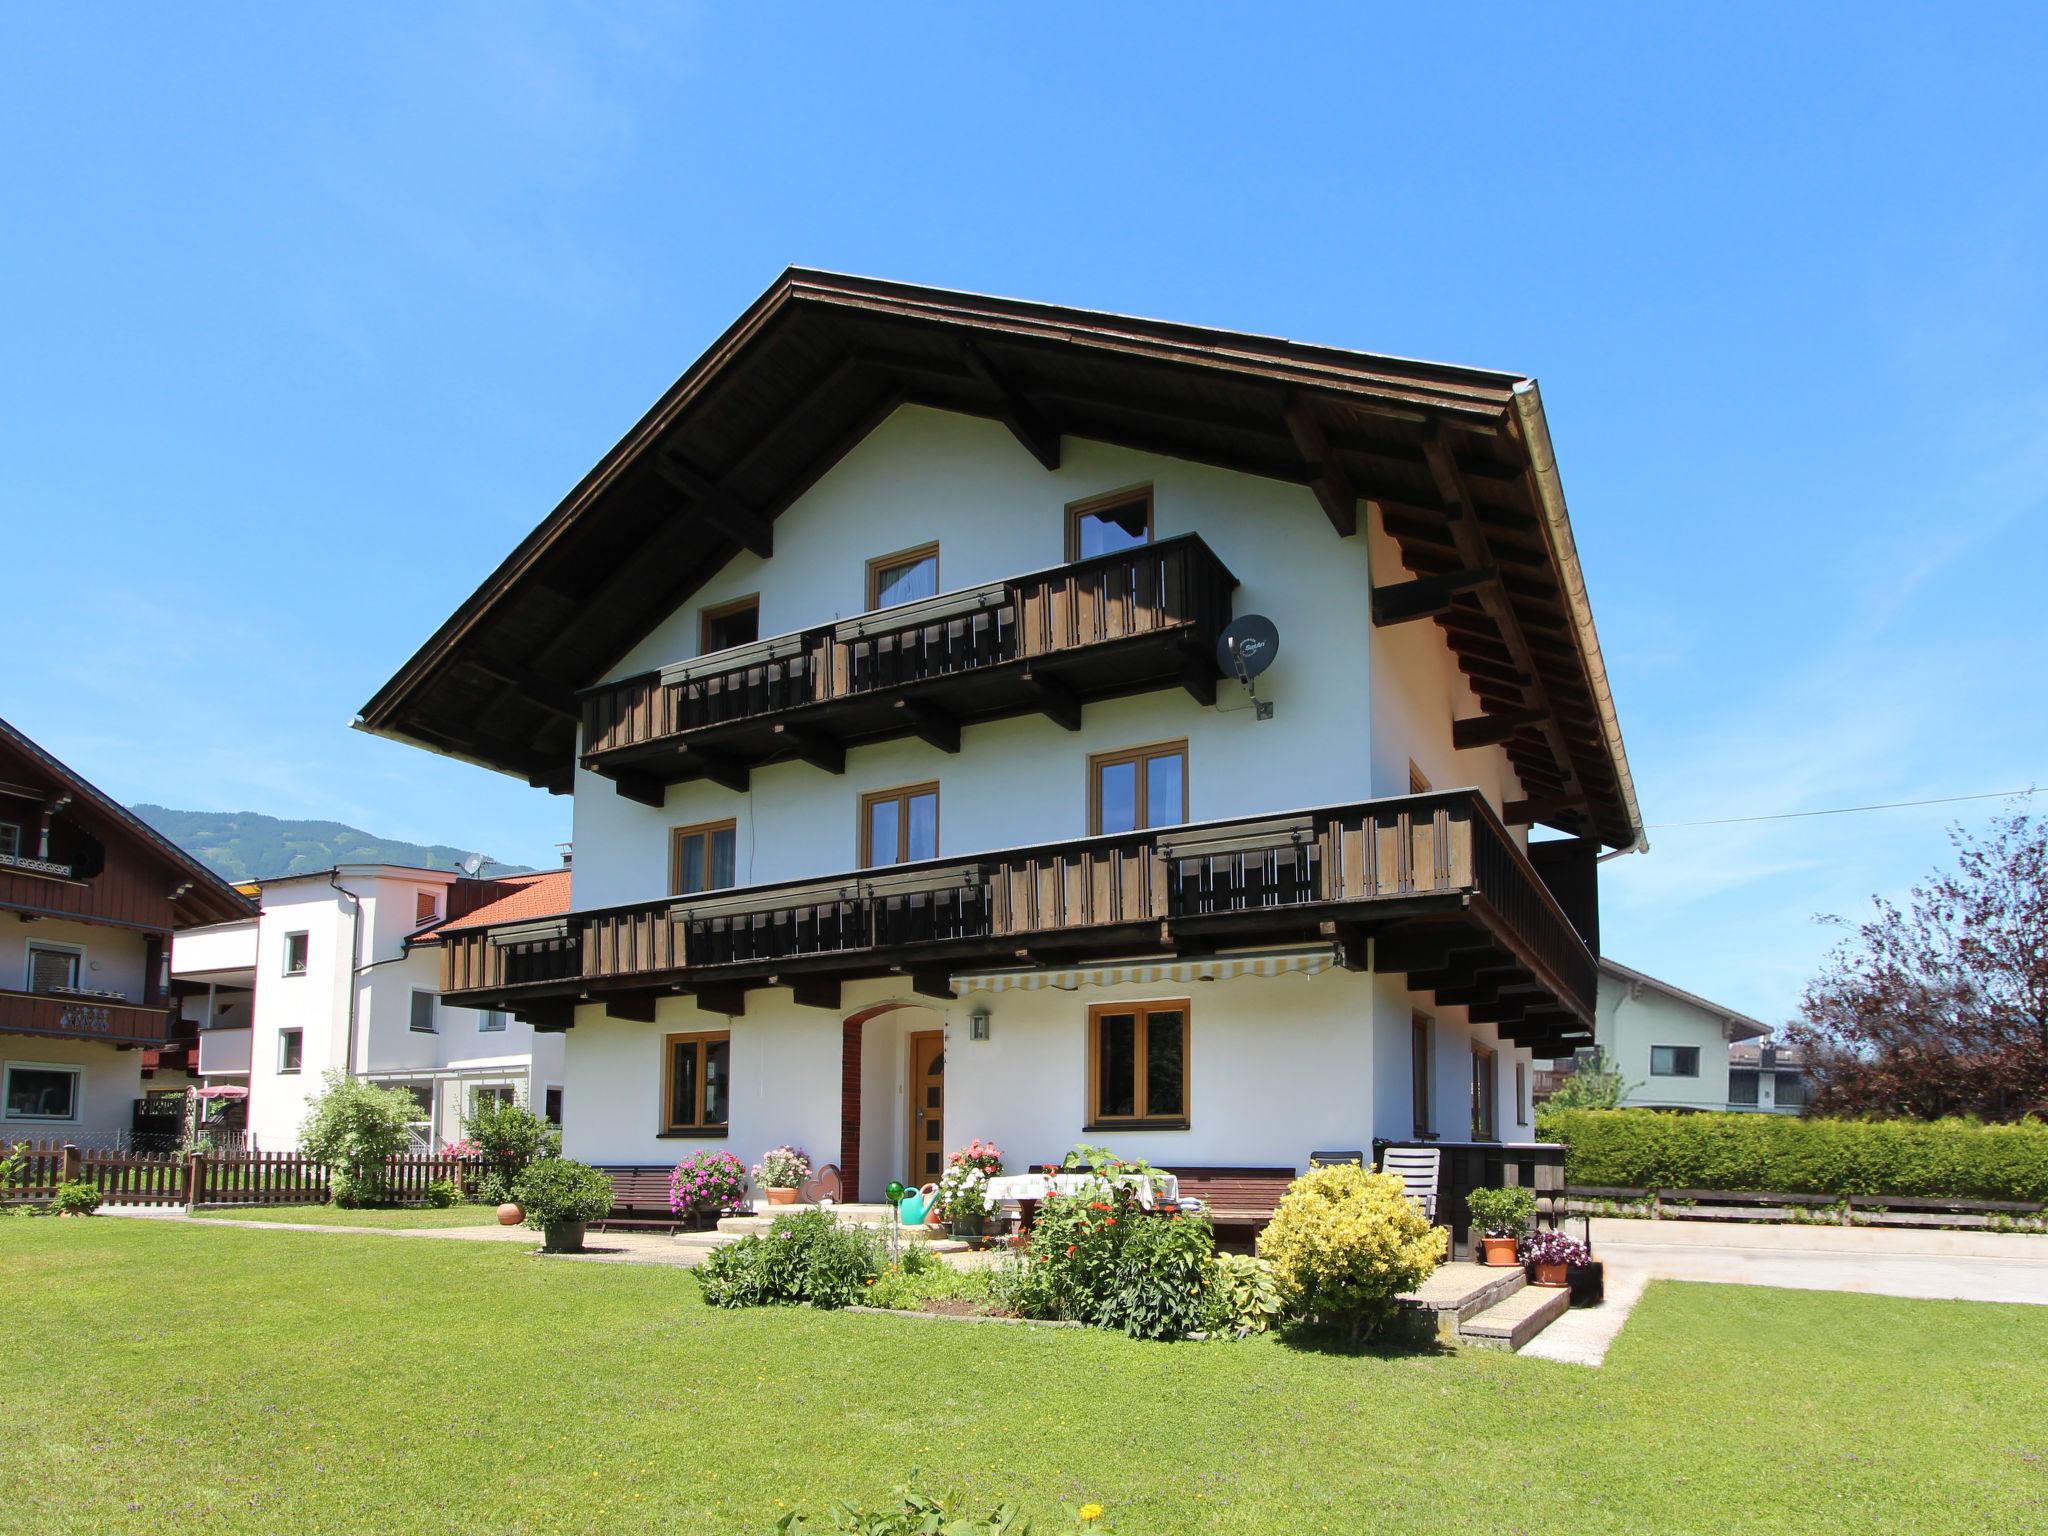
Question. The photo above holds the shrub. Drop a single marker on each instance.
(1594, 1084)
(442, 1193)
(806, 1258)
(1509, 1212)
(491, 1188)
(1096, 1258)
(1344, 1243)
(1243, 1296)
(707, 1181)
(553, 1189)
(350, 1191)
(353, 1127)
(782, 1168)
(509, 1134)
(1652, 1149)
(1159, 1289)
(75, 1197)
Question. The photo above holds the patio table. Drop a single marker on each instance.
(1027, 1189)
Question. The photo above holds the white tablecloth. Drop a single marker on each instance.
(1036, 1186)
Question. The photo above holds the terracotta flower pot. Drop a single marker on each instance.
(780, 1196)
(509, 1215)
(1499, 1252)
(1552, 1275)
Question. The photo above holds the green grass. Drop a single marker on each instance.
(335, 1216)
(173, 1377)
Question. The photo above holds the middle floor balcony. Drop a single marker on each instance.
(1428, 885)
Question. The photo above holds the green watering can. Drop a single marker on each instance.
(916, 1205)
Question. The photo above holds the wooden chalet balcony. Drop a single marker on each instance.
(84, 1016)
(1123, 623)
(1429, 885)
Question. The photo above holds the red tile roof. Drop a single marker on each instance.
(542, 895)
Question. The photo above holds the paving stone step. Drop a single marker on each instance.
(1517, 1318)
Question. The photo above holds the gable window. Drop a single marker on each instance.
(1421, 1046)
(899, 826)
(423, 1005)
(1102, 525)
(1674, 1061)
(42, 1093)
(1484, 1091)
(904, 577)
(729, 624)
(490, 1021)
(425, 907)
(1143, 787)
(697, 1092)
(291, 1049)
(1138, 1065)
(53, 969)
(701, 858)
(296, 948)
(10, 839)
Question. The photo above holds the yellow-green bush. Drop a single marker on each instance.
(1344, 1243)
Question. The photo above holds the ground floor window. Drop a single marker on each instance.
(1742, 1086)
(423, 1006)
(1791, 1090)
(552, 1102)
(291, 1049)
(1421, 1040)
(698, 1094)
(496, 1094)
(1521, 1093)
(42, 1093)
(1138, 1065)
(1484, 1091)
(1674, 1061)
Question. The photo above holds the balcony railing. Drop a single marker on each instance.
(1140, 618)
(84, 1016)
(1440, 862)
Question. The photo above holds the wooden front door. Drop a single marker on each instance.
(927, 1098)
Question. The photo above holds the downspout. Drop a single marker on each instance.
(355, 957)
(1557, 534)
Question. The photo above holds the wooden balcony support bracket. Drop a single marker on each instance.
(934, 727)
(1424, 949)
(719, 507)
(547, 1015)
(556, 781)
(1427, 596)
(1333, 489)
(932, 984)
(730, 999)
(813, 747)
(1198, 677)
(721, 771)
(638, 1007)
(1026, 422)
(643, 787)
(1056, 701)
(1353, 941)
(1491, 730)
(811, 991)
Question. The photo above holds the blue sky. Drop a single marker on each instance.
(306, 318)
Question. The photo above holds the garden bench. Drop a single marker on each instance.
(1236, 1197)
(640, 1198)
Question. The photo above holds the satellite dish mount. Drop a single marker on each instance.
(1246, 648)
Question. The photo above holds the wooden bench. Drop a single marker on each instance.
(1236, 1197)
(640, 1198)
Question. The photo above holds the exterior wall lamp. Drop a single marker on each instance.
(978, 1022)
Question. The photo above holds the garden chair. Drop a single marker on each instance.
(1418, 1169)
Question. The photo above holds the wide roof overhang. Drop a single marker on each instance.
(1458, 460)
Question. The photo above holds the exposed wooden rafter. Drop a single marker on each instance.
(1326, 477)
(718, 506)
(1026, 423)
(1426, 596)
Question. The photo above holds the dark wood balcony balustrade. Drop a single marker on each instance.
(1434, 882)
(1121, 623)
(85, 1016)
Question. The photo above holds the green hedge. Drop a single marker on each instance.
(1655, 1149)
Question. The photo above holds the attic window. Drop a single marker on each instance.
(729, 624)
(904, 577)
(1103, 525)
(425, 908)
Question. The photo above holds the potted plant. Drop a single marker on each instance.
(1500, 1218)
(1549, 1255)
(782, 1171)
(562, 1197)
(962, 1201)
(707, 1184)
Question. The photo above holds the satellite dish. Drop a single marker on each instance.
(1247, 646)
(473, 865)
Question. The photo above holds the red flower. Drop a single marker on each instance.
(1070, 1250)
(1097, 1205)
(1109, 1221)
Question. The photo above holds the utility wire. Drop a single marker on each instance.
(1841, 810)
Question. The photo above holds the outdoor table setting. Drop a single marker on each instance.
(1154, 1190)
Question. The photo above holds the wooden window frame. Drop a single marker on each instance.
(1490, 1097)
(1143, 1011)
(1098, 761)
(699, 1040)
(1088, 506)
(904, 793)
(1521, 1093)
(426, 906)
(710, 616)
(909, 556)
(1418, 781)
(1422, 1073)
(306, 957)
(708, 829)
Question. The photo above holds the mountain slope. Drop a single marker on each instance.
(246, 845)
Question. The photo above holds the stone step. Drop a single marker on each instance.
(1516, 1318)
(1460, 1290)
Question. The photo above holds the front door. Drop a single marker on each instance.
(927, 1105)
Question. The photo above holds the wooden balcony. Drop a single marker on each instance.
(84, 1016)
(1428, 885)
(1046, 643)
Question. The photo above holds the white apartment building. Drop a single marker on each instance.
(340, 971)
(917, 798)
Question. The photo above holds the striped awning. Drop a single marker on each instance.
(1273, 962)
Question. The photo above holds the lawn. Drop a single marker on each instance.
(335, 1216)
(176, 1377)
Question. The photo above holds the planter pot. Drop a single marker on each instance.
(1551, 1275)
(563, 1236)
(1498, 1252)
(509, 1215)
(779, 1196)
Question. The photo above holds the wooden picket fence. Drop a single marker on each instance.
(232, 1178)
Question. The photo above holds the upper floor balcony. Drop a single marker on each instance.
(1428, 885)
(78, 1015)
(1127, 622)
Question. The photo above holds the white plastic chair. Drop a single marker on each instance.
(1418, 1168)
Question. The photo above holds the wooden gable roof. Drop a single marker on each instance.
(1458, 459)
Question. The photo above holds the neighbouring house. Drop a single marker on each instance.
(1765, 1075)
(1676, 1050)
(340, 971)
(917, 796)
(92, 902)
